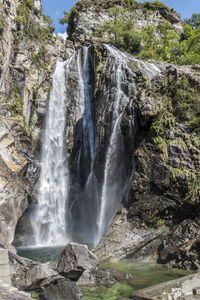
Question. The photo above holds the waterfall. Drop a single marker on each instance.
(88, 125)
(87, 203)
(114, 183)
(83, 195)
(112, 189)
(49, 218)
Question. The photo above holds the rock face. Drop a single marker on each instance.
(180, 248)
(74, 260)
(89, 16)
(27, 61)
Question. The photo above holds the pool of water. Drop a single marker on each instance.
(130, 275)
(42, 254)
(143, 275)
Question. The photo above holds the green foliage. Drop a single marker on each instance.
(148, 4)
(121, 30)
(65, 19)
(161, 43)
(69, 17)
(29, 3)
(27, 24)
(194, 191)
(168, 41)
(186, 103)
(194, 21)
(162, 49)
(47, 19)
(149, 43)
(130, 3)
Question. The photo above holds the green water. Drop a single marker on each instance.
(143, 275)
(42, 254)
(130, 275)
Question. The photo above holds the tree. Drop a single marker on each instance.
(120, 30)
(168, 41)
(194, 21)
(65, 19)
(149, 42)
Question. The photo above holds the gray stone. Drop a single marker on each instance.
(74, 260)
(63, 290)
(174, 289)
(35, 275)
(96, 277)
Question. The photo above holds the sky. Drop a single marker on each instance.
(55, 8)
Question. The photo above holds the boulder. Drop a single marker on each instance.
(62, 290)
(74, 260)
(38, 273)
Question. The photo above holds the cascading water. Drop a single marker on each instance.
(88, 122)
(112, 190)
(49, 218)
(94, 196)
(83, 195)
(114, 184)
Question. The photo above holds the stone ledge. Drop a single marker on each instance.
(174, 289)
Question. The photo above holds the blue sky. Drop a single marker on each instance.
(55, 8)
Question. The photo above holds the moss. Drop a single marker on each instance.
(185, 101)
(157, 221)
(194, 190)
(35, 295)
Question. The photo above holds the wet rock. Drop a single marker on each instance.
(35, 275)
(74, 260)
(62, 290)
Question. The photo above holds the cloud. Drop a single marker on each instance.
(62, 35)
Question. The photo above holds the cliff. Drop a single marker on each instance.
(27, 50)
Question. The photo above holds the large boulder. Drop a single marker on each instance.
(74, 260)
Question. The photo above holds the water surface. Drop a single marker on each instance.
(143, 275)
(42, 254)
